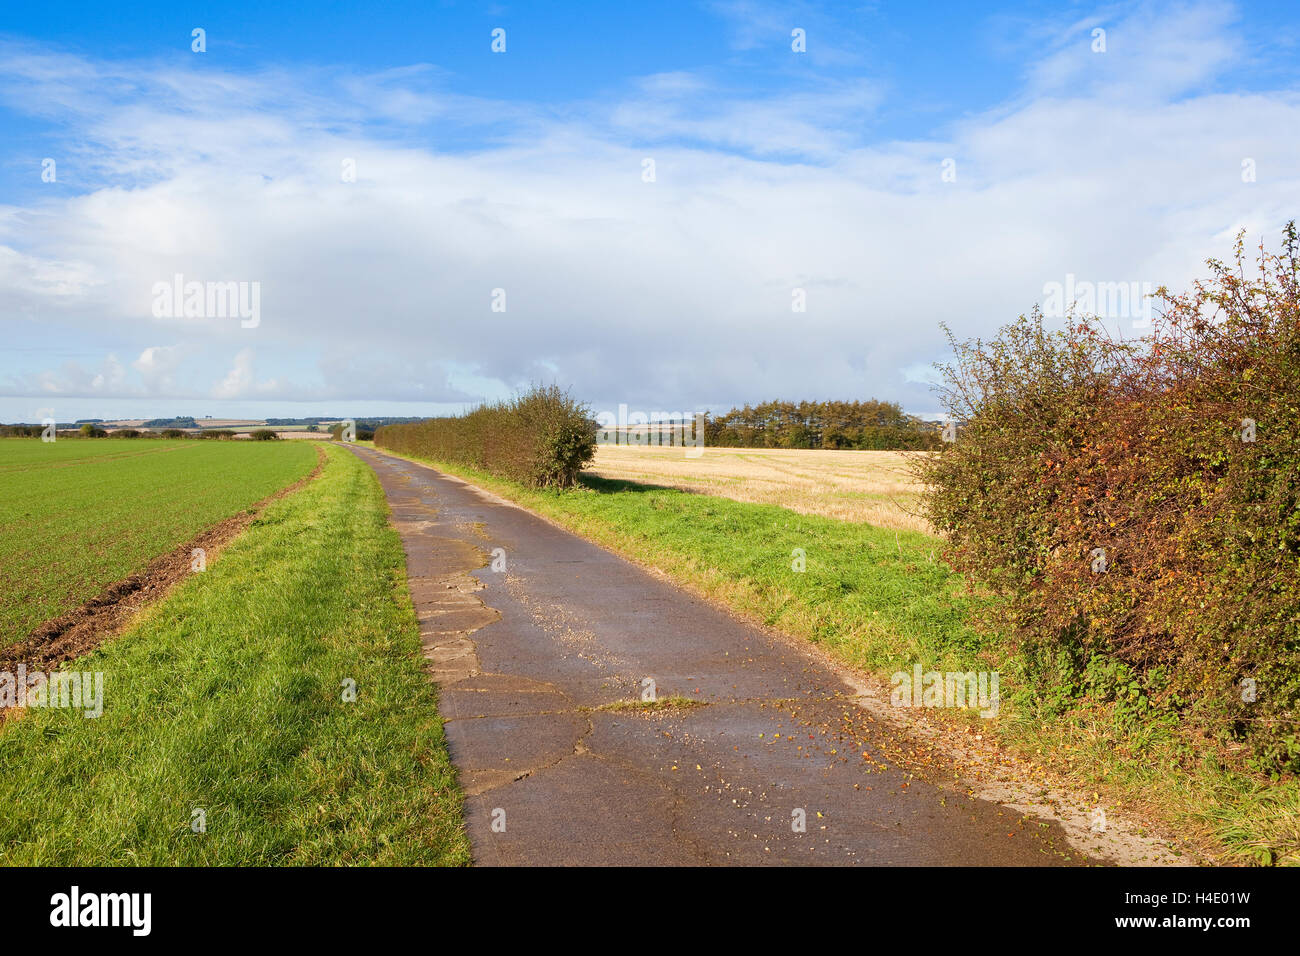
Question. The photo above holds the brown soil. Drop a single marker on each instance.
(79, 632)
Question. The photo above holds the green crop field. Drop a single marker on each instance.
(77, 515)
(227, 699)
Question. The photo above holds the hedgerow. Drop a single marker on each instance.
(542, 438)
(1138, 501)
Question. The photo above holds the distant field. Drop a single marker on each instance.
(77, 515)
(867, 486)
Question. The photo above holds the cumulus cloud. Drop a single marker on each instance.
(71, 379)
(157, 366)
(675, 293)
(239, 381)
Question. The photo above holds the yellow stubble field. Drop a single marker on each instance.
(870, 486)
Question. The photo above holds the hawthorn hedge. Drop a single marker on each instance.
(542, 438)
(1138, 500)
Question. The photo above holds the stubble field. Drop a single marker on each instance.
(875, 487)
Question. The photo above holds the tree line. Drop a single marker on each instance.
(870, 424)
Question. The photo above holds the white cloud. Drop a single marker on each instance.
(1152, 52)
(671, 294)
(238, 382)
(71, 379)
(157, 366)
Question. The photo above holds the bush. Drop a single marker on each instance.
(224, 434)
(172, 433)
(542, 438)
(125, 433)
(1139, 501)
(264, 434)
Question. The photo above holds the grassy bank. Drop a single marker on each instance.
(882, 600)
(228, 698)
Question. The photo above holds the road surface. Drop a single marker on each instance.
(542, 664)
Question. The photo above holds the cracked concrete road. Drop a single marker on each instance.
(540, 666)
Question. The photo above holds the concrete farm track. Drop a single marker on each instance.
(539, 668)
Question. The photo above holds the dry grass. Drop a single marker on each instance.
(870, 486)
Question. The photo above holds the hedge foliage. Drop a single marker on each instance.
(1139, 500)
(542, 438)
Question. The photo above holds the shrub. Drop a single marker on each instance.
(360, 434)
(125, 433)
(1139, 501)
(172, 433)
(542, 438)
(264, 434)
(224, 434)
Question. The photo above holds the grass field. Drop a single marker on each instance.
(881, 600)
(77, 515)
(227, 698)
(864, 486)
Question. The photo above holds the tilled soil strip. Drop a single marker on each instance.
(79, 632)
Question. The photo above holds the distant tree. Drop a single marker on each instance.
(870, 424)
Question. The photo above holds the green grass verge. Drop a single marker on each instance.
(78, 514)
(882, 601)
(228, 696)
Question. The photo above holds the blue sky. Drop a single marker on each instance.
(918, 163)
